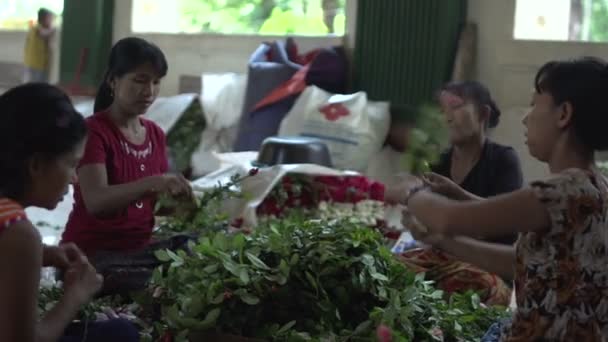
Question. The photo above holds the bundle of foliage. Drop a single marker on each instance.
(427, 139)
(185, 136)
(299, 279)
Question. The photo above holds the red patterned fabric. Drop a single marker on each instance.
(452, 276)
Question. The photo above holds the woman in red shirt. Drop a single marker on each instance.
(125, 165)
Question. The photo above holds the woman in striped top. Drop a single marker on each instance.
(42, 139)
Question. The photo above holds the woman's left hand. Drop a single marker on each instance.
(61, 256)
(399, 190)
(419, 231)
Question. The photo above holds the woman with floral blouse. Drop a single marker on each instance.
(560, 262)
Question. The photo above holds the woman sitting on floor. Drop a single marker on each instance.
(482, 168)
(42, 138)
(560, 259)
(123, 169)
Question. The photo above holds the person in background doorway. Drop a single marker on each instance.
(37, 54)
(473, 167)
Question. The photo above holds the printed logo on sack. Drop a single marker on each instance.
(334, 111)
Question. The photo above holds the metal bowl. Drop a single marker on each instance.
(293, 150)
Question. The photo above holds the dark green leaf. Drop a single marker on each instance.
(286, 328)
(248, 298)
(244, 276)
(257, 262)
(162, 255)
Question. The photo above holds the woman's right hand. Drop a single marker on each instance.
(442, 185)
(82, 282)
(173, 184)
(419, 231)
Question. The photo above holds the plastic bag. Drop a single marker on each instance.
(353, 127)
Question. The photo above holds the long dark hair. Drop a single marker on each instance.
(479, 95)
(583, 83)
(39, 120)
(126, 55)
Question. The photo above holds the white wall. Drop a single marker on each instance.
(194, 54)
(508, 67)
(186, 54)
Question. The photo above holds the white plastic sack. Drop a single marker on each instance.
(222, 99)
(165, 111)
(384, 165)
(84, 107)
(353, 127)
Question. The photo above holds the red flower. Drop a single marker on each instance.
(270, 207)
(384, 333)
(330, 180)
(254, 171)
(376, 191)
(357, 195)
(237, 223)
(338, 194)
(380, 223)
(334, 111)
(359, 182)
(167, 337)
(392, 235)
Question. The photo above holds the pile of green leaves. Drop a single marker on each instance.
(427, 139)
(298, 279)
(201, 214)
(185, 136)
(603, 167)
(48, 296)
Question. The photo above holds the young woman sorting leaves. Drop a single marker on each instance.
(559, 262)
(42, 138)
(123, 170)
(482, 168)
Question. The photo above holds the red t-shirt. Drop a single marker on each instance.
(125, 162)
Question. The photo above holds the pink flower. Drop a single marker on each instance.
(384, 333)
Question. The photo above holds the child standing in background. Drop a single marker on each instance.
(37, 54)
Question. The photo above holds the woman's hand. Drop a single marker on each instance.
(173, 184)
(61, 256)
(82, 282)
(442, 185)
(419, 231)
(400, 189)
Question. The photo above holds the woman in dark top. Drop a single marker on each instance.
(479, 166)
(471, 168)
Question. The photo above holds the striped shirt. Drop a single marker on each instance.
(11, 212)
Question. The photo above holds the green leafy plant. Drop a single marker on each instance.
(203, 213)
(603, 167)
(185, 136)
(427, 139)
(299, 279)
